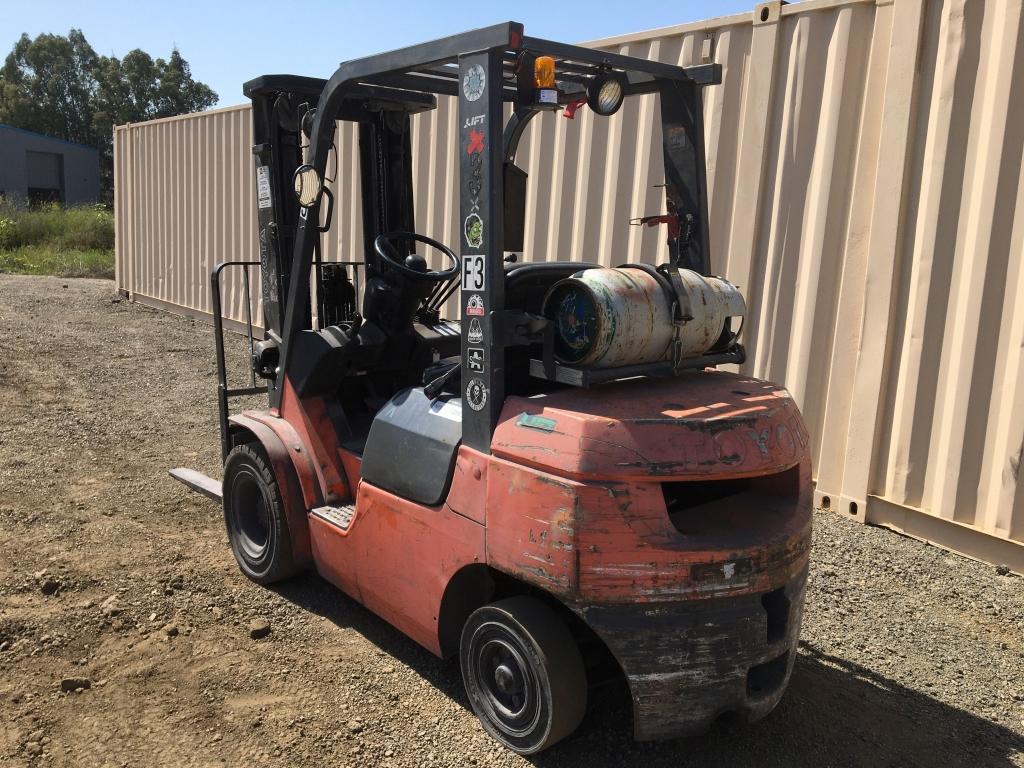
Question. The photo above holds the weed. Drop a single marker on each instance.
(51, 240)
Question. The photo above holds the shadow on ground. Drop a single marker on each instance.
(835, 713)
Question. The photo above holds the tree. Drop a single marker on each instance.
(138, 88)
(58, 86)
(47, 85)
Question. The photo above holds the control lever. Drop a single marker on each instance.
(435, 387)
(663, 218)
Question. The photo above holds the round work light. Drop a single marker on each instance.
(605, 94)
(307, 185)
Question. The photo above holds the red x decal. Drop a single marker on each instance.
(476, 142)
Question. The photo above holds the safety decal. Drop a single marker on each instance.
(476, 331)
(476, 394)
(676, 137)
(475, 305)
(473, 272)
(263, 199)
(474, 82)
(533, 421)
(475, 359)
(475, 142)
(474, 229)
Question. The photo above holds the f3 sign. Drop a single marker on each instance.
(473, 272)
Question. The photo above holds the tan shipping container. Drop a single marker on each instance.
(864, 167)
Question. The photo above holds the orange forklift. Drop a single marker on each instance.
(557, 483)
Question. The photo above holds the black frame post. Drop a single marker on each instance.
(482, 279)
(682, 136)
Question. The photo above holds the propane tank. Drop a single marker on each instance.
(614, 317)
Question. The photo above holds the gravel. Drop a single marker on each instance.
(911, 656)
(259, 628)
(70, 684)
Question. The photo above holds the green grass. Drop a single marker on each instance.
(50, 240)
(70, 262)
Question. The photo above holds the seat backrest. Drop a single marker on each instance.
(527, 284)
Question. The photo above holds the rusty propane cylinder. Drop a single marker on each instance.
(614, 317)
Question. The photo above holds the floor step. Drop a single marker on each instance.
(339, 517)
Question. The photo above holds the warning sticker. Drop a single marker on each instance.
(474, 83)
(475, 358)
(476, 394)
(263, 199)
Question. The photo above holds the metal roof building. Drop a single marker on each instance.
(45, 169)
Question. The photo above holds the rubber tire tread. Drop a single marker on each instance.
(279, 564)
(556, 658)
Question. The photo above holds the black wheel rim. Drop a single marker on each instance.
(508, 688)
(249, 515)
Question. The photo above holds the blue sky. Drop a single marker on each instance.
(227, 43)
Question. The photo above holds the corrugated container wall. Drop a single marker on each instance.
(864, 165)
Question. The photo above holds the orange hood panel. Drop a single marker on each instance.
(697, 426)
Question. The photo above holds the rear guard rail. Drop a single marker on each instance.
(224, 392)
(194, 479)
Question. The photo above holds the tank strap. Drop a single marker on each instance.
(682, 312)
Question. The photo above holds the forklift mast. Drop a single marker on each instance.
(282, 105)
(277, 152)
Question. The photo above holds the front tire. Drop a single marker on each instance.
(255, 517)
(523, 673)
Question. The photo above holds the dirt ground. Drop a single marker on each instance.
(112, 572)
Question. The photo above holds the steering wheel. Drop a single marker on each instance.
(385, 248)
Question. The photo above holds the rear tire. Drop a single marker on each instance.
(523, 673)
(255, 517)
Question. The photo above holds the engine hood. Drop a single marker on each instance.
(697, 426)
